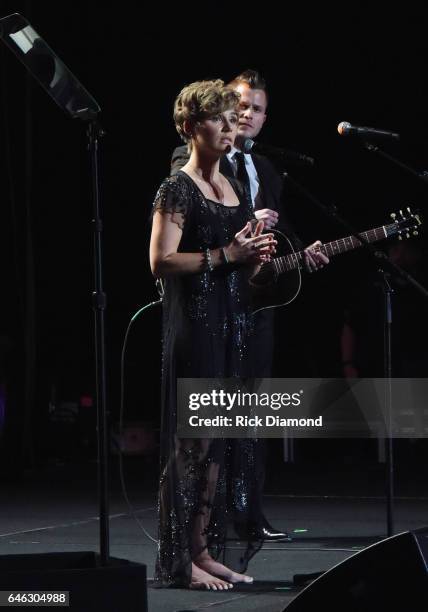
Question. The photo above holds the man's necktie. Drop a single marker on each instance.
(242, 176)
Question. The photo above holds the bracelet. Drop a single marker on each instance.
(225, 257)
(208, 260)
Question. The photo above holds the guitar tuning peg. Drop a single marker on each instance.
(401, 213)
(415, 232)
(408, 209)
(393, 215)
(407, 235)
(400, 237)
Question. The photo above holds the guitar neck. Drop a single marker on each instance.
(336, 247)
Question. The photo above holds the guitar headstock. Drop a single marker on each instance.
(406, 223)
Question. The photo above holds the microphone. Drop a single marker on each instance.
(346, 129)
(248, 145)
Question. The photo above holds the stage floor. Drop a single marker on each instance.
(54, 509)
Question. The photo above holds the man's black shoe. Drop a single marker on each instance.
(264, 531)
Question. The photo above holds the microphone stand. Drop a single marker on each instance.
(94, 133)
(385, 268)
(109, 583)
(423, 176)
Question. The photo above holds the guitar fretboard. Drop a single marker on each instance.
(296, 260)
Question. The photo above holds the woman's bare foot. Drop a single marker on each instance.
(206, 563)
(202, 580)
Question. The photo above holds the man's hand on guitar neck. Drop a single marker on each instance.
(314, 257)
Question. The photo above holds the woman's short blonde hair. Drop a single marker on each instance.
(201, 100)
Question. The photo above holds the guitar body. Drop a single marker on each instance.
(271, 289)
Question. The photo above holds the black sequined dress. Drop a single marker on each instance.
(207, 324)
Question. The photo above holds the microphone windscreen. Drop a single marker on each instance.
(343, 127)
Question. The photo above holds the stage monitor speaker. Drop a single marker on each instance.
(389, 575)
(121, 585)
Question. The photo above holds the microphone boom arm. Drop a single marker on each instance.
(423, 176)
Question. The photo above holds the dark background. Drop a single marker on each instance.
(321, 68)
